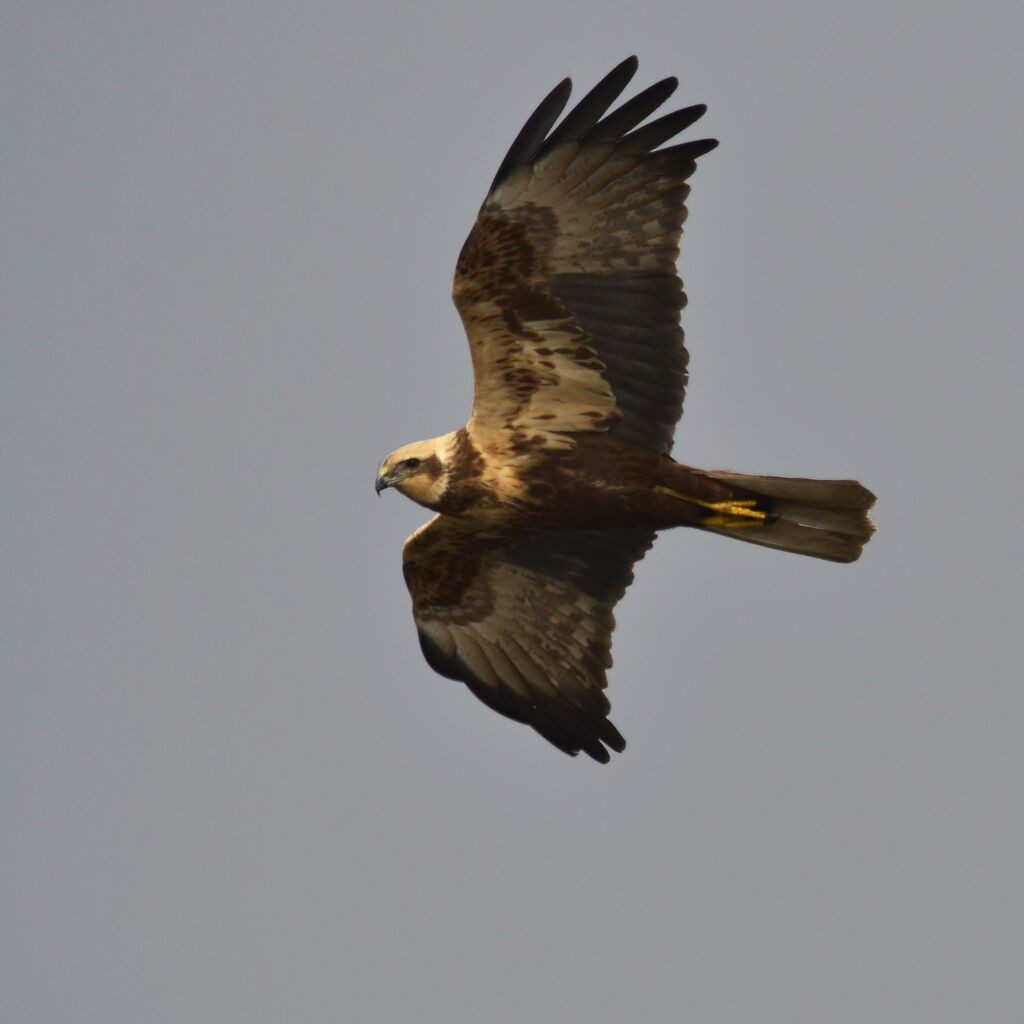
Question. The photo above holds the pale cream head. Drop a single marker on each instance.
(419, 470)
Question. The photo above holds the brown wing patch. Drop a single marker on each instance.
(567, 284)
(533, 368)
(525, 620)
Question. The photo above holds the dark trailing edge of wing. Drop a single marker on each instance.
(567, 728)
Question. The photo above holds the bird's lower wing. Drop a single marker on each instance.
(525, 620)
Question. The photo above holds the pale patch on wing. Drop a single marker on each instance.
(534, 370)
(525, 620)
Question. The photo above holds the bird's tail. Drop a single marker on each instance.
(821, 518)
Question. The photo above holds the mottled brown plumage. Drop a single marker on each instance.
(568, 290)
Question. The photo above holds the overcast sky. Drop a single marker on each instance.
(230, 787)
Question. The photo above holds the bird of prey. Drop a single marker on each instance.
(568, 290)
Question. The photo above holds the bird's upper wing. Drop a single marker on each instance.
(567, 284)
(525, 620)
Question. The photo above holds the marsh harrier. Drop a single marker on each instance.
(568, 290)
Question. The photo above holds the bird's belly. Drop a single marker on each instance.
(608, 483)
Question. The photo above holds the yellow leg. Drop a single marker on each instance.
(730, 514)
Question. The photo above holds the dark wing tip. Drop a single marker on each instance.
(702, 146)
(580, 121)
(533, 133)
(573, 732)
(589, 120)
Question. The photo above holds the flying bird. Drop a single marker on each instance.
(568, 290)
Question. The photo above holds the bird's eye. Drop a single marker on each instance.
(410, 463)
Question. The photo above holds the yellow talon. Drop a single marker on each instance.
(732, 522)
(729, 512)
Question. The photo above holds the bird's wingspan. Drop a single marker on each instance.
(525, 620)
(567, 284)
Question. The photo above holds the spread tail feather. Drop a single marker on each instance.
(821, 518)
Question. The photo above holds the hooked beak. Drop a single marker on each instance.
(382, 483)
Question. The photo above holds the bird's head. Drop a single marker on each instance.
(419, 470)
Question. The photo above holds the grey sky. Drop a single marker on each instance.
(230, 788)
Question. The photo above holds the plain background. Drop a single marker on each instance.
(231, 788)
